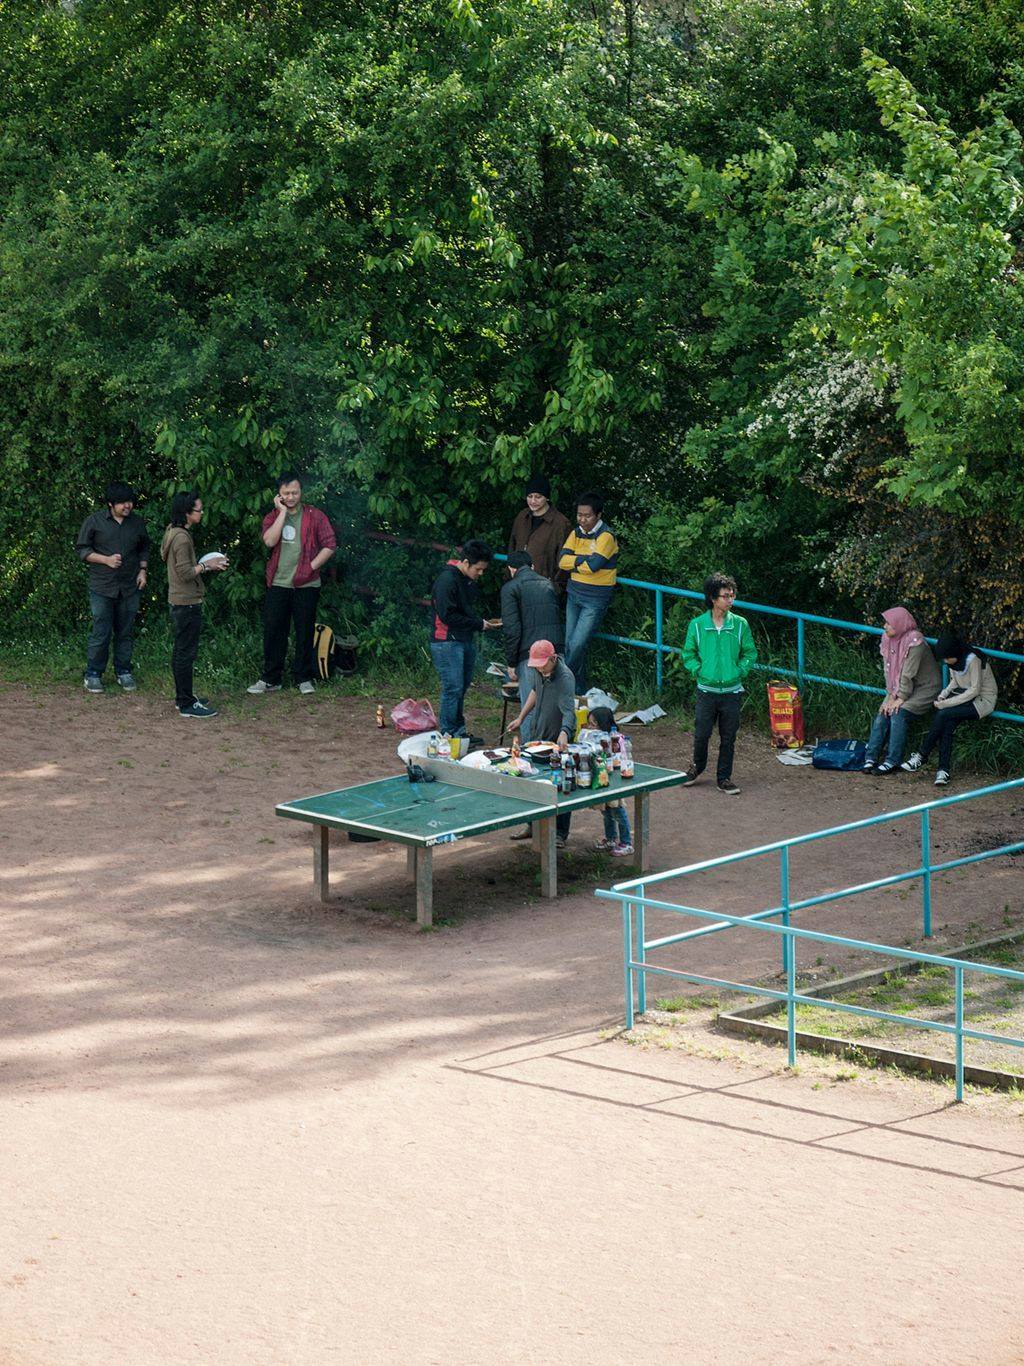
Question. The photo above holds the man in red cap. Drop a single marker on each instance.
(552, 703)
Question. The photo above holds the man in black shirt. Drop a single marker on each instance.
(114, 544)
(456, 621)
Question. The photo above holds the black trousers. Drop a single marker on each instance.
(941, 731)
(187, 626)
(282, 607)
(723, 707)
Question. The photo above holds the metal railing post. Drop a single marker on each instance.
(641, 953)
(958, 977)
(788, 956)
(800, 663)
(659, 622)
(926, 864)
(784, 902)
(790, 1002)
(627, 951)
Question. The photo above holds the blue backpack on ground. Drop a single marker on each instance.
(841, 756)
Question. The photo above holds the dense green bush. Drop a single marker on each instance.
(750, 268)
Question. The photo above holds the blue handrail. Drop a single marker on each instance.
(802, 619)
(635, 900)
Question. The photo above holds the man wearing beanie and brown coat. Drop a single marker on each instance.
(541, 530)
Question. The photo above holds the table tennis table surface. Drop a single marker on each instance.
(426, 814)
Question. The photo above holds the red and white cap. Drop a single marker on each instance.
(541, 652)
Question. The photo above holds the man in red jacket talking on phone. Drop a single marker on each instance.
(301, 540)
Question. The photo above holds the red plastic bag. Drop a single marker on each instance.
(785, 715)
(410, 716)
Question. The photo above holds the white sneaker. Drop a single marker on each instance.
(307, 687)
(260, 687)
(912, 764)
(941, 778)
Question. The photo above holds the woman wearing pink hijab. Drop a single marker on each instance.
(912, 683)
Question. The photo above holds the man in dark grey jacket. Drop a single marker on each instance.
(529, 612)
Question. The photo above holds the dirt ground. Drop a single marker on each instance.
(238, 1126)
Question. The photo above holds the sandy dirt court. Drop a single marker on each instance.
(238, 1126)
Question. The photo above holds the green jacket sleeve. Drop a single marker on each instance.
(748, 651)
(691, 659)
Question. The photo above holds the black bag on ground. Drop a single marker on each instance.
(841, 756)
(334, 654)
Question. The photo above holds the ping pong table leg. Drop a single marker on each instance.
(321, 860)
(642, 831)
(410, 862)
(424, 887)
(548, 857)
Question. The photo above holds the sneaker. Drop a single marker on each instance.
(92, 683)
(728, 787)
(885, 768)
(869, 766)
(196, 710)
(941, 778)
(621, 850)
(690, 776)
(260, 687)
(561, 841)
(127, 682)
(913, 764)
(526, 834)
(604, 844)
(306, 687)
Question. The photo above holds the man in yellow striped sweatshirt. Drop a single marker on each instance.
(590, 556)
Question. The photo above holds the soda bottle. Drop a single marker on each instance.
(444, 747)
(556, 769)
(584, 767)
(568, 779)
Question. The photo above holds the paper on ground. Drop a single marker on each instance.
(641, 718)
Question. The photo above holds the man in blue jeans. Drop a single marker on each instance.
(114, 544)
(590, 556)
(455, 622)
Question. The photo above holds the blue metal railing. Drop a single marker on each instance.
(802, 619)
(635, 903)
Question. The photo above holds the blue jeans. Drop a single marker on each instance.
(894, 728)
(453, 660)
(111, 616)
(582, 618)
(616, 823)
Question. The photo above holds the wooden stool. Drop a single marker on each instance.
(509, 694)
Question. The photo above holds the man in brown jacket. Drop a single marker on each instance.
(540, 530)
(185, 592)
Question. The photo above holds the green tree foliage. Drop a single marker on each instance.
(746, 266)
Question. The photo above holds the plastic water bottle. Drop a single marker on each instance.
(626, 762)
(444, 747)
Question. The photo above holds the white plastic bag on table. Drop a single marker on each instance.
(415, 746)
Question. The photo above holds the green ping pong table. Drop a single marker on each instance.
(460, 803)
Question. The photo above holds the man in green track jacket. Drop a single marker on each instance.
(719, 651)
